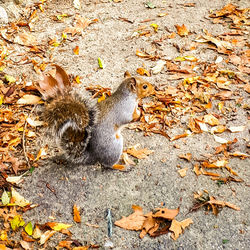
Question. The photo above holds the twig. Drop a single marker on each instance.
(24, 141)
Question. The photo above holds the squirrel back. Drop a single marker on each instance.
(68, 115)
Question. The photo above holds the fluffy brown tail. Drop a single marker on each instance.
(68, 115)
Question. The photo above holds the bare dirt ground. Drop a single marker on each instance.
(154, 181)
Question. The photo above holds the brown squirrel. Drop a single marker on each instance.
(89, 133)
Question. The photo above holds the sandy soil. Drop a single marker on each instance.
(153, 181)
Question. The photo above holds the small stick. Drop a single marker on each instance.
(109, 219)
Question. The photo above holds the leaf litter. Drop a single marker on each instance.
(195, 95)
(160, 221)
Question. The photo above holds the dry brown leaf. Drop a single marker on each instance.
(166, 213)
(211, 120)
(237, 129)
(29, 99)
(142, 72)
(139, 154)
(218, 129)
(178, 227)
(119, 167)
(34, 123)
(45, 236)
(76, 50)
(197, 169)
(76, 213)
(134, 221)
(182, 30)
(81, 24)
(223, 204)
(183, 172)
(26, 39)
(127, 159)
(247, 88)
(42, 153)
(187, 156)
(239, 154)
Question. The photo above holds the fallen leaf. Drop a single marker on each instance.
(178, 227)
(134, 221)
(187, 156)
(158, 67)
(76, 50)
(142, 71)
(26, 39)
(182, 172)
(45, 236)
(29, 99)
(166, 213)
(237, 129)
(210, 119)
(139, 154)
(5, 198)
(197, 169)
(182, 30)
(76, 213)
(57, 226)
(17, 222)
(34, 123)
(28, 228)
(18, 199)
(220, 140)
(100, 63)
(15, 179)
(218, 129)
(81, 24)
(239, 154)
(42, 152)
(119, 167)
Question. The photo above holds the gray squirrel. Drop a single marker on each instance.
(89, 133)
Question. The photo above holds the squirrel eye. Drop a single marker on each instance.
(145, 86)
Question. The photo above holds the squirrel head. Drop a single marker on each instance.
(139, 86)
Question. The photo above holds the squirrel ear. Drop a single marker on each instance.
(132, 84)
(127, 74)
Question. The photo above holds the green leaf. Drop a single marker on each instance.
(17, 222)
(225, 241)
(28, 228)
(100, 63)
(32, 169)
(149, 5)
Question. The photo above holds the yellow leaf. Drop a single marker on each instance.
(57, 226)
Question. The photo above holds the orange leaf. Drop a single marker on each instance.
(76, 213)
(183, 172)
(140, 154)
(211, 120)
(76, 50)
(134, 221)
(142, 72)
(166, 213)
(178, 227)
(119, 167)
(187, 156)
(182, 30)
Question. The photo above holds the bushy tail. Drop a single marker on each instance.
(70, 117)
